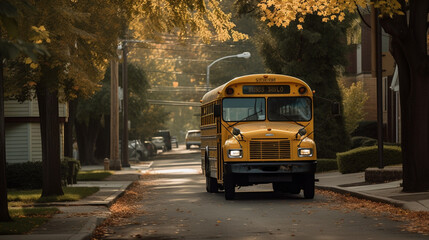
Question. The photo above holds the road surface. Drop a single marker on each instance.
(176, 205)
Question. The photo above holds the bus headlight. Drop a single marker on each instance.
(305, 152)
(235, 153)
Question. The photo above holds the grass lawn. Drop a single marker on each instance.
(28, 217)
(21, 197)
(25, 219)
(93, 175)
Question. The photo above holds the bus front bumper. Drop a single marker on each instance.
(268, 172)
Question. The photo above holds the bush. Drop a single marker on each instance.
(69, 170)
(359, 159)
(29, 175)
(26, 175)
(325, 165)
(363, 142)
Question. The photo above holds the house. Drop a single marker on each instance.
(361, 68)
(22, 131)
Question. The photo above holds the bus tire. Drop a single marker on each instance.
(211, 183)
(229, 185)
(309, 187)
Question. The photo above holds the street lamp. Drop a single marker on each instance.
(241, 55)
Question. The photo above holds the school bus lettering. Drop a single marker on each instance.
(266, 89)
(264, 135)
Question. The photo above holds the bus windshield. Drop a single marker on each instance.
(243, 109)
(289, 109)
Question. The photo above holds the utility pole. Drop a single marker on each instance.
(125, 162)
(114, 118)
(376, 69)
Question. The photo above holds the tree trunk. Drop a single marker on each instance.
(4, 211)
(49, 129)
(86, 134)
(409, 49)
(102, 144)
(68, 129)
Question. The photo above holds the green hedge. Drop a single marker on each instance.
(325, 165)
(29, 175)
(359, 159)
(360, 141)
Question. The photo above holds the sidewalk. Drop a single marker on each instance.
(390, 192)
(78, 220)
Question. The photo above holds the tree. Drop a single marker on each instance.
(406, 22)
(307, 54)
(11, 46)
(79, 42)
(354, 99)
(92, 112)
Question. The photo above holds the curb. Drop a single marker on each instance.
(396, 203)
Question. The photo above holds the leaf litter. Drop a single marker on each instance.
(414, 221)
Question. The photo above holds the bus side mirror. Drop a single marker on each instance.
(216, 110)
(335, 108)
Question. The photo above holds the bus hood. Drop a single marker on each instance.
(269, 129)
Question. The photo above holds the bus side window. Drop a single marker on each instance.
(217, 110)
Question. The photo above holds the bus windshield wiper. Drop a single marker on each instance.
(245, 118)
(288, 119)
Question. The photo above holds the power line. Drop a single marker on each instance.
(177, 89)
(173, 103)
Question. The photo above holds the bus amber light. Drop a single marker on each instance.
(302, 90)
(229, 91)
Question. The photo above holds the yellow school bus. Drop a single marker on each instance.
(258, 129)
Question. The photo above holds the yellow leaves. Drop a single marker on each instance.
(299, 26)
(34, 65)
(31, 83)
(40, 34)
(282, 12)
(30, 62)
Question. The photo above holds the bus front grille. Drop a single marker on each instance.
(279, 149)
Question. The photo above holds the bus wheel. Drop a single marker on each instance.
(229, 187)
(211, 185)
(309, 187)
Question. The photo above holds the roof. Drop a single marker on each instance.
(214, 93)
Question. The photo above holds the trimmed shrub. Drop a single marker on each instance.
(359, 159)
(69, 170)
(27, 175)
(325, 165)
(363, 142)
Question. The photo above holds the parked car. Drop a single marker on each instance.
(193, 137)
(151, 148)
(137, 151)
(159, 143)
(174, 141)
(167, 137)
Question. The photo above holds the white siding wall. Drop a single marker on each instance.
(16, 109)
(17, 142)
(36, 143)
(23, 140)
(13, 108)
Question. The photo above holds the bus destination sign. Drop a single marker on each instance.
(266, 89)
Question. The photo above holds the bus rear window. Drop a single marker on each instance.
(243, 109)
